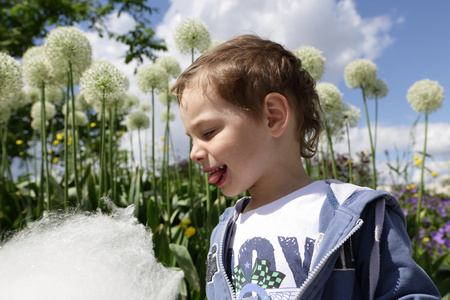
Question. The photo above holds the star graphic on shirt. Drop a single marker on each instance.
(247, 265)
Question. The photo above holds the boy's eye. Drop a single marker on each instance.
(208, 134)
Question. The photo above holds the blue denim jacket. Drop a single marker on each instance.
(371, 222)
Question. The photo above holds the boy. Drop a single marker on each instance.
(252, 113)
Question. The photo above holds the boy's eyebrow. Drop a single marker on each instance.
(198, 123)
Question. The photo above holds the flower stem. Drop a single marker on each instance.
(66, 153)
(350, 167)
(330, 145)
(111, 152)
(376, 123)
(102, 152)
(44, 145)
(75, 139)
(374, 174)
(421, 188)
(166, 165)
(153, 149)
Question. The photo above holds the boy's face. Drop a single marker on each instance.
(228, 143)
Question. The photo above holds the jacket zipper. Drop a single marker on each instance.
(322, 262)
(222, 267)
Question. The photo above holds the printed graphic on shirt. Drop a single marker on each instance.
(258, 277)
(211, 264)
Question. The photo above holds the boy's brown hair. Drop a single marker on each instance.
(246, 68)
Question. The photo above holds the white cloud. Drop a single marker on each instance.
(402, 138)
(335, 28)
(403, 144)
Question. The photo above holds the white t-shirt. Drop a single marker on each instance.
(273, 245)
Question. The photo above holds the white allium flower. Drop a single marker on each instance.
(351, 114)
(170, 64)
(80, 119)
(103, 80)
(164, 115)
(378, 89)
(54, 95)
(144, 106)
(331, 101)
(426, 96)
(80, 102)
(36, 123)
(5, 111)
(22, 99)
(50, 110)
(137, 120)
(68, 44)
(32, 52)
(359, 73)
(10, 77)
(165, 97)
(130, 101)
(192, 34)
(34, 94)
(214, 43)
(37, 69)
(151, 77)
(329, 95)
(312, 61)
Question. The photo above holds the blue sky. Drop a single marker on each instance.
(408, 40)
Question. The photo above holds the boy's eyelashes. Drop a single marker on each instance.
(208, 134)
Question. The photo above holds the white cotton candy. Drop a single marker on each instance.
(85, 256)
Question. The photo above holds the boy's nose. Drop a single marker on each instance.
(197, 153)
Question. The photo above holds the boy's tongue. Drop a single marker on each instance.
(215, 176)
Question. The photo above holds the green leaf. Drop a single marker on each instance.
(184, 260)
(161, 242)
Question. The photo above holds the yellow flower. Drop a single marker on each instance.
(59, 136)
(92, 124)
(145, 150)
(170, 146)
(19, 142)
(21, 153)
(190, 231)
(49, 151)
(426, 239)
(418, 162)
(55, 142)
(416, 195)
(55, 160)
(163, 138)
(185, 223)
(412, 186)
(69, 142)
(120, 133)
(416, 158)
(434, 174)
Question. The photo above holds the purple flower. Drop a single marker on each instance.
(438, 237)
(447, 227)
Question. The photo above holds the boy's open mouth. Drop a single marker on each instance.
(217, 174)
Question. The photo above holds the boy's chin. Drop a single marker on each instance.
(231, 193)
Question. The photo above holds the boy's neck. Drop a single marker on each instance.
(283, 182)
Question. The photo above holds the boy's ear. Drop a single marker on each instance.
(277, 113)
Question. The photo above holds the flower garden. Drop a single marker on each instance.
(70, 148)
